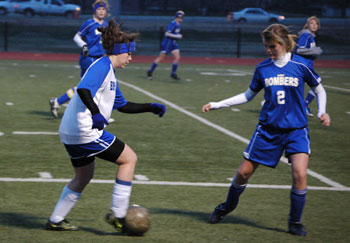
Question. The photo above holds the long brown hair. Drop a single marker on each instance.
(280, 34)
(112, 35)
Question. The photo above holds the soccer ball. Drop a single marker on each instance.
(137, 220)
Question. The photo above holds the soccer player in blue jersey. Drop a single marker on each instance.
(169, 45)
(89, 39)
(307, 48)
(282, 123)
(83, 135)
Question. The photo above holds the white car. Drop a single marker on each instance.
(254, 15)
(45, 7)
(6, 6)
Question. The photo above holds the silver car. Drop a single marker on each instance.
(6, 7)
(254, 15)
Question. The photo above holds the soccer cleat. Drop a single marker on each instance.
(54, 107)
(308, 112)
(149, 75)
(60, 226)
(218, 214)
(297, 229)
(117, 223)
(174, 76)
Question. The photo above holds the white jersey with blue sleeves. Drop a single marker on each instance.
(284, 106)
(76, 124)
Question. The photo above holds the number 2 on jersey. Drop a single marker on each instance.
(280, 97)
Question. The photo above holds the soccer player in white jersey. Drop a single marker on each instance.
(83, 135)
(169, 45)
(282, 123)
(89, 39)
(307, 48)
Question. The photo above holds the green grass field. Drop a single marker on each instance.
(176, 148)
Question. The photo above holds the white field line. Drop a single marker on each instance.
(34, 133)
(223, 130)
(173, 183)
(337, 88)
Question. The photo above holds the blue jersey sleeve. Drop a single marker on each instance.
(311, 77)
(84, 27)
(305, 40)
(119, 100)
(95, 76)
(257, 82)
(171, 27)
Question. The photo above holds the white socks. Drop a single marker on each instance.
(120, 199)
(66, 202)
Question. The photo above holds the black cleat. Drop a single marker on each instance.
(297, 229)
(149, 75)
(60, 226)
(174, 76)
(117, 223)
(218, 214)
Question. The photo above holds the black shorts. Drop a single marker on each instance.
(111, 154)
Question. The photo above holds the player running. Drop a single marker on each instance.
(83, 135)
(89, 39)
(307, 48)
(282, 123)
(169, 45)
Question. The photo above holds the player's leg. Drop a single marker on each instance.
(309, 98)
(126, 158)
(176, 54)
(155, 63)
(71, 194)
(239, 182)
(298, 193)
(55, 103)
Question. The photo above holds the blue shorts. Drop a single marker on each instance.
(267, 144)
(77, 151)
(168, 45)
(85, 63)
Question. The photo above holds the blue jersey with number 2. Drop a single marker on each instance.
(284, 106)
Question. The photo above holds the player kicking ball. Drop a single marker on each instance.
(83, 135)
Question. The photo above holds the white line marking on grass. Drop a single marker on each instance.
(175, 183)
(235, 109)
(337, 88)
(34, 133)
(223, 130)
(45, 175)
(9, 103)
(2, 134)
(222, 74)
(141, 177)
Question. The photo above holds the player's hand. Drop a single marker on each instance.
(85, 50)
(98, 121)
(180, 36)
(325, 119)
(158, 109)
(206, 108)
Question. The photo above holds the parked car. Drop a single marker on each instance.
(46, 7)
(254, 15)
(6, 6)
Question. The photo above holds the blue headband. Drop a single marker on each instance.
(100, 5)
(121, 48)
(179, 14)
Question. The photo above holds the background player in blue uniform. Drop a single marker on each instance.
(307, 48)
(169, 45)
(82, 130)
(89, 39)
(282, 122)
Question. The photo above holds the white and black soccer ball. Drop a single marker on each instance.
(137, 220)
